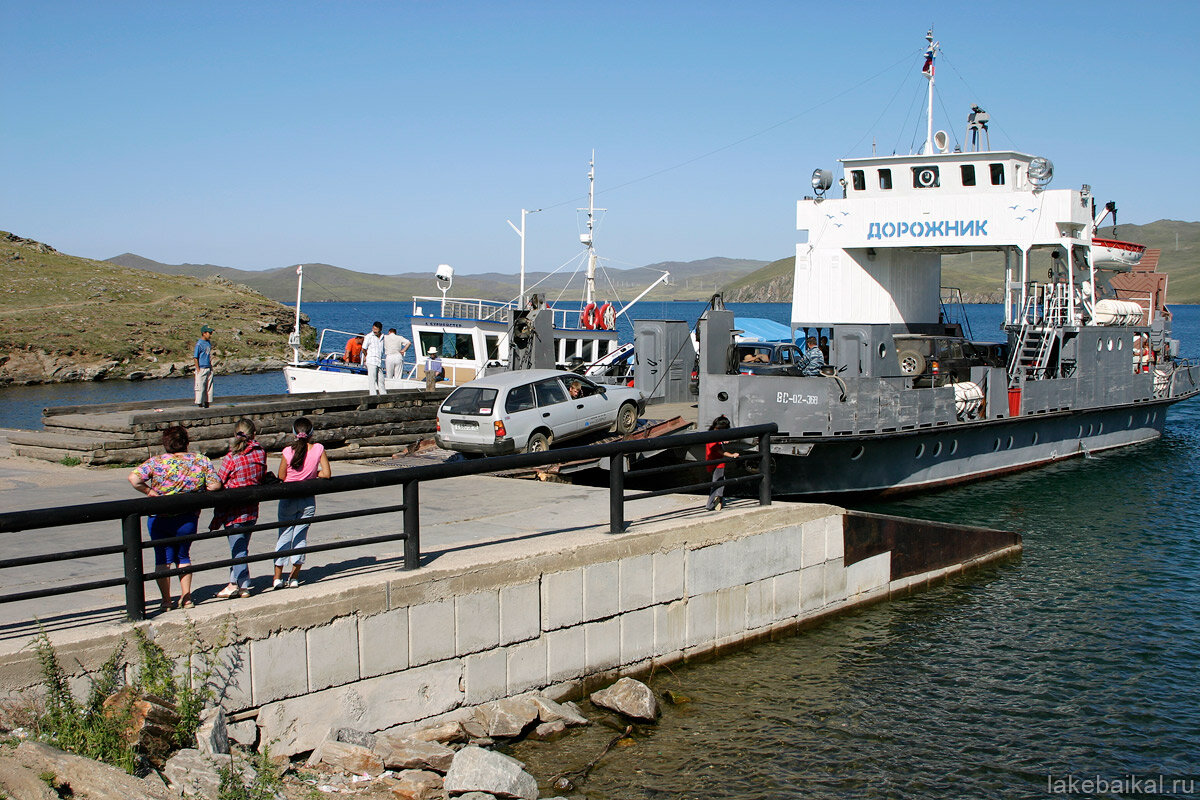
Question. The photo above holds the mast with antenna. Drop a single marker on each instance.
(931, 52)
(586, 238)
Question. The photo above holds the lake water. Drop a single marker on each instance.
(21, 406)
(1080, 660)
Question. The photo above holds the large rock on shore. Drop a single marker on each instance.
(629, 697)
(478, 770)
(21, 772)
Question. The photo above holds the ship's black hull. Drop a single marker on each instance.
(917, 460)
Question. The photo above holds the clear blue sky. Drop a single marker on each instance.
(390, 137)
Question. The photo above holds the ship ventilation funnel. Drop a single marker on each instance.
(941, 141)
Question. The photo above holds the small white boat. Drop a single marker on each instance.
(1115, 253)
(472, 335)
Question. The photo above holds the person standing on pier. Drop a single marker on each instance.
(713, 451)
(394, 348)
(175, 471)
(202, 361)
(245, 465)
(373, 357)
(302, 460)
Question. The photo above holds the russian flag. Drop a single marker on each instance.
(928, 68)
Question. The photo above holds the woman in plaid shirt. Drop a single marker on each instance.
(245, 465)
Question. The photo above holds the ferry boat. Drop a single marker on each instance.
(473, 336)
(909, 401)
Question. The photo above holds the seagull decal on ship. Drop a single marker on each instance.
(1021, 217)
(1031, 210)
(829, 216)
(1012, 208)
(837, 224)
(845, 213)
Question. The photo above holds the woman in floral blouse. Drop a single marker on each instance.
(176, 471)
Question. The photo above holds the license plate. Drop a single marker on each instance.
(465, 424)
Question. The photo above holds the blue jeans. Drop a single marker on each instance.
(717, 492)
(294, 508)
(160, 527)
(239, 547)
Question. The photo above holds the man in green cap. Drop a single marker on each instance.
(202, 360)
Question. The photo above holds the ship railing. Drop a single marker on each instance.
(462, 308)
(951, 299)
(335, 351)
(399, 493)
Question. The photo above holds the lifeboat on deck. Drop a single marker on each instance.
(1115, 253)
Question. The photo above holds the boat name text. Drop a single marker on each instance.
(962, 227)
(807, 399)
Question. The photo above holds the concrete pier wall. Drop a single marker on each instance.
(482, 623)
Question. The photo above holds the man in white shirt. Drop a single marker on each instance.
(394, 348)
(373, 358)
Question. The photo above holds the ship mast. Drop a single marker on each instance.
(586, 238)
(931, 52)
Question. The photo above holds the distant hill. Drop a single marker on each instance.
(981, 275)
(689, 280)
(66, 318)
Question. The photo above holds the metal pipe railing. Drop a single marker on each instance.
(131, 512)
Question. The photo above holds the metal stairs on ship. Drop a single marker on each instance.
(1042, 320)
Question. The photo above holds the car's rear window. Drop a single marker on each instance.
(474, 400)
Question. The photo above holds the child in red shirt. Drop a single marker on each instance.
(713, 451)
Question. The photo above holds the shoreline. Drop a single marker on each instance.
(72, 373)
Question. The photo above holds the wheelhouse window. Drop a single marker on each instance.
(926, 177)
(493, 347)
(858, 179)
(885, 179)
(448, 345)
(968, 174)
(997, 174)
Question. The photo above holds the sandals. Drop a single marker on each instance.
(228, 592)
(186, 602)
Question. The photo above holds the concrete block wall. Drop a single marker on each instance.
(400, 647)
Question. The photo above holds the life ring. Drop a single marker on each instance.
(606, 318)
(587, 317)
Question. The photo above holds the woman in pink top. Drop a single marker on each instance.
(302, 460)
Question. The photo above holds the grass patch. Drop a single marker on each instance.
(266, 783)
(91, 730)
(70, 461)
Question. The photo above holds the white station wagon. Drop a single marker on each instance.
(528, 410)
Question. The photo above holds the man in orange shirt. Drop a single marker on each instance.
(354, 350)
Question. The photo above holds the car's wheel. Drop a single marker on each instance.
(627, 418)
(538, 443)
(911, 362)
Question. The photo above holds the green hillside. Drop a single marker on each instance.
(689, 280)
(65, 318)
(981, 275)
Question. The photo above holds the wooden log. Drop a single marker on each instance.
(152, 720)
